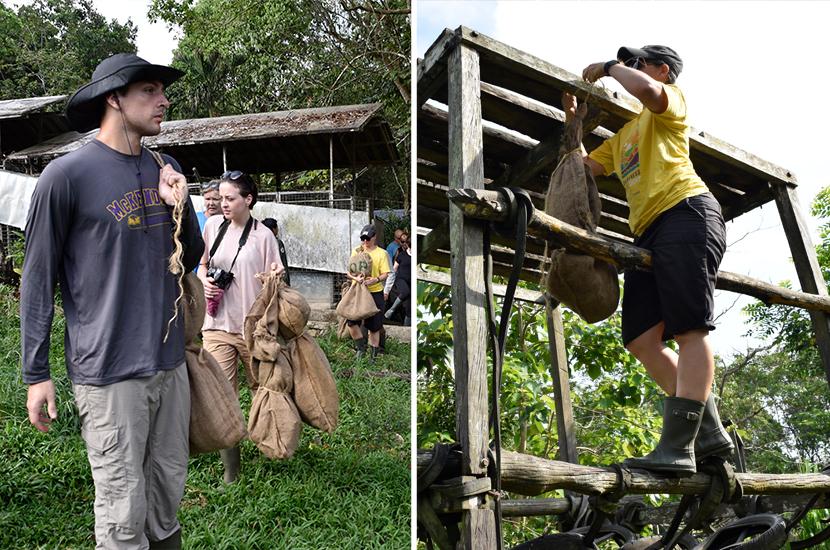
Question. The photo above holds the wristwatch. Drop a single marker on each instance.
(608, 65)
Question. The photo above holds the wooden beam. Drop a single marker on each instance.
(432, 69)
(436, 239)
(531, 475)
(522, 294)
(565, 429)
(490, 205)
(806, 264)
(466, 169)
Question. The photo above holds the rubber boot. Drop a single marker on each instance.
(173, 542)
(712, 438)
(375, 352)
(230, 460)
(407, 321)
(391, 311)
(676, 450)
(360, 347)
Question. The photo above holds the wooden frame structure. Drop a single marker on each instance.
(500, 126)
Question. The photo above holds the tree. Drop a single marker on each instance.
(242, 56)
(51, 47)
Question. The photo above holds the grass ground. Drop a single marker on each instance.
(350, 489)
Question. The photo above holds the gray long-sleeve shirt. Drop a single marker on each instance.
(105, 234)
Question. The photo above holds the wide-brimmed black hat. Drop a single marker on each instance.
(84, 107)
(653, 52)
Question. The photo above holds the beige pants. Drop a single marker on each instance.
(136, 433)
(228, 349)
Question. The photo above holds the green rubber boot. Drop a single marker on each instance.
(712, 438)
(675, 453)
(230, 460)
(173, 542)
(360, 347)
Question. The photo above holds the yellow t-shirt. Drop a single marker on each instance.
(650, 156)
(380, 265)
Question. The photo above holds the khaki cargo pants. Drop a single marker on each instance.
(136, 433)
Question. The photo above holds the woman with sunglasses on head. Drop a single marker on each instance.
(400, 279)
(237, 247)
(673, 215)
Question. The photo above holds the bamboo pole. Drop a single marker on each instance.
(490, 205)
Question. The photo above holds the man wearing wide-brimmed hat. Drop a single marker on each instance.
(675, 217)
(100, 223)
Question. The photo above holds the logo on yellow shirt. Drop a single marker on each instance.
(630, 161)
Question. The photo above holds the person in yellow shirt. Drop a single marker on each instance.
(374, 283)
(675, 217)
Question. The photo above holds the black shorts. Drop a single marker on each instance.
(375, 322)
(687, 243)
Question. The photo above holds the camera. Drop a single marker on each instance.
(221, 278)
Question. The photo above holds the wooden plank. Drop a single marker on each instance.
(530, 271)
(436, 239)
(466, 169)
(565, 428)
(522, 294)
(490, 203)
(806, 264)
(432, 69)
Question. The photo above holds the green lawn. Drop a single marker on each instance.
(350, 489)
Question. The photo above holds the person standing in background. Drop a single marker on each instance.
(271, 224)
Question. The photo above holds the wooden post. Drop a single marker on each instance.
(806, 263)
(466, 169)
(561, 383)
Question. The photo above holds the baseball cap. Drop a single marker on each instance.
(367, 232)
(659, 53)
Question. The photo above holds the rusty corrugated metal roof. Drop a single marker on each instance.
(15, 108)
(259, 142)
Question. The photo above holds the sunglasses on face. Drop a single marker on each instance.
(640, 62)
(365, 238)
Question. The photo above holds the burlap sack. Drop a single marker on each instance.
(315, 391)
(357, 303)
(293, 312)
(274, 423)
(588, 286)
(216, 419)
(360, 262)
(260, 329)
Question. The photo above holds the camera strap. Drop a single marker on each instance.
(221, 234)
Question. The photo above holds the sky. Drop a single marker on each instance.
(154, 42)
(754, 75)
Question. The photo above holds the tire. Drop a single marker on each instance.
(686, 542)
(758, 532)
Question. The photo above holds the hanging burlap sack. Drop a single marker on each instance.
(357, 303)
(216, 419)
(274, 423)
(293, 312)
(315, 391)
(588, 286)
(260, 329)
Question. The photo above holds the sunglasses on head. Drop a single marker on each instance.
(209, 185)
(233, 175)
